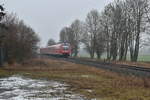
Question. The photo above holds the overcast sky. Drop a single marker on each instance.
(48, 17)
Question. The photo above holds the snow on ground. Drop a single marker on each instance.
(21, 88)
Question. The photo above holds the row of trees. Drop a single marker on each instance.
(117, 30)
(20, 41)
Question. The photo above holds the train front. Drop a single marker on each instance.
(66, 49)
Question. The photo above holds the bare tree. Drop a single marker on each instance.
(20, 41)
(66, 35)
(100, 43)
(92, 24)
(123, 23)
(116, 15)
(137, 13)
(51, 42)
(73, 35)
(117, 30)
(105, 21)
(77, 34)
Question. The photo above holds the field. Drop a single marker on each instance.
(142, 58)
(145, 58)
(88, 81)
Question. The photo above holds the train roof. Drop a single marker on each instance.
(59, 44)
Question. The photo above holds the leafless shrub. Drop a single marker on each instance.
(20, 42)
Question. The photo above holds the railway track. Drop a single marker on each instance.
(123, 69)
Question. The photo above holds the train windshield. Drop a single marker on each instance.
(66, 44)
(66, 47)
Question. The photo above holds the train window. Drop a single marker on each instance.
(66, 44)
(66, 48)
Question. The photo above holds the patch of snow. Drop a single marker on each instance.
(21, 88)
(85, 76)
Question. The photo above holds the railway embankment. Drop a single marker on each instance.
(135, 69)
(92, 82)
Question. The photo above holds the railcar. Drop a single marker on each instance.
(61, 49)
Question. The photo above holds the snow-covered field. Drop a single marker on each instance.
(21, 88)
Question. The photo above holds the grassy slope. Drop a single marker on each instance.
(91, 82)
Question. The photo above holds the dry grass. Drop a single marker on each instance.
(140, 64)
(89, 81)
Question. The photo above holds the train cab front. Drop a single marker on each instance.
(66, 51)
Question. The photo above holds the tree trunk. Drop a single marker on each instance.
(126, 50)
(136, 52)
(108, 51)
(76, 51)
(98, 54)
(92, 53)
(122, 50)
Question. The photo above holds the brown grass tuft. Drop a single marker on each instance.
(146, 82)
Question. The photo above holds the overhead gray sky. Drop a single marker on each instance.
(48, 17)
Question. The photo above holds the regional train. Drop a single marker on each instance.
(60, 49)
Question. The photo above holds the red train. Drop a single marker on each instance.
(61, 49)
